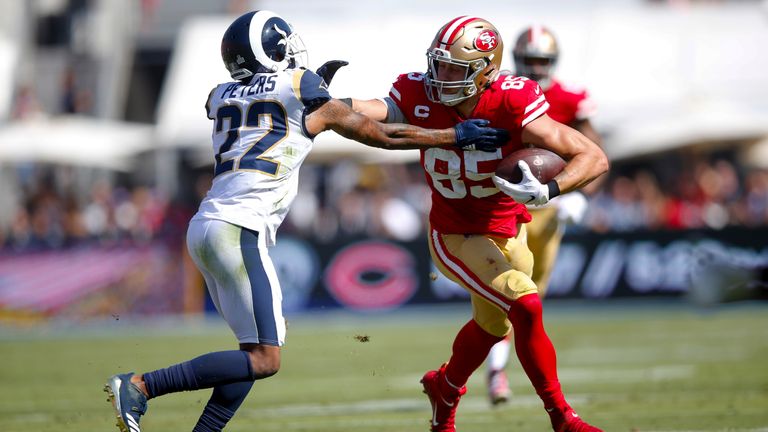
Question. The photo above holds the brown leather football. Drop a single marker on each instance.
(544, 164)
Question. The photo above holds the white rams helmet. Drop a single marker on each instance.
(261, 42)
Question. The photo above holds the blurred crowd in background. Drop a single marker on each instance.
(45, 206)
(49, 213)
(345, 200)
(681, 109)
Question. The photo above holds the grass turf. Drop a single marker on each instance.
(641, 368)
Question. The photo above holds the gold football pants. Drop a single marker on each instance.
(545, 232)
(496, 271)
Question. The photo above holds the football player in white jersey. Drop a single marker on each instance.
(263, 126)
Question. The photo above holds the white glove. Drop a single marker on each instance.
(572, 207)
(528, 191)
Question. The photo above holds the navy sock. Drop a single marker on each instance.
(226, 399)
(209, 370)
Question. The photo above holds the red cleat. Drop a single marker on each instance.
(443, 406)
(498, 387)
(568, 421)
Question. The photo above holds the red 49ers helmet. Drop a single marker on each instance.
(466, 42)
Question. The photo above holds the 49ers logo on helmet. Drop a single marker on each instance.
(486, 40)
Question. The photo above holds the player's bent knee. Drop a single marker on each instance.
(495, 327)
(265, 361)
(265, 372)
(526, 309)
(264, 367)
(490, 317)
(514, 284)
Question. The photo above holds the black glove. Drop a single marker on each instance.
(474, 134)
(329, 68)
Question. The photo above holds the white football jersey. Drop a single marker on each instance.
(259, 143)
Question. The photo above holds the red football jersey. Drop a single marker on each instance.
(568, 103)
(464, 198)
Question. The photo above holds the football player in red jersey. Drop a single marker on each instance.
(264, 122)
(477, 232)
(536, 53)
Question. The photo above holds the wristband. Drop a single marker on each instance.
(347, 101)
(554, 188)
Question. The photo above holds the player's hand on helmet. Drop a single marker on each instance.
(528, 191)
(474, 134)
(572, 207)
(329, 69)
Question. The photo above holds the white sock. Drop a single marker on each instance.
(499, 355)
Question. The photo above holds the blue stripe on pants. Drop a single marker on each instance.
(261, 290)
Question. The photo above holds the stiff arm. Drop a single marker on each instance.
(339, 117)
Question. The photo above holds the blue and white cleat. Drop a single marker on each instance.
(129, 402)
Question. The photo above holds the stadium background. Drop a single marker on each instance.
(104, 151)
(104, 156)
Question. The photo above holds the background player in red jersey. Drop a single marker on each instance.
(477, 234)
(536, 53)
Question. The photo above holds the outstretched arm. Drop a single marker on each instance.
(374, 109)
(339, 117)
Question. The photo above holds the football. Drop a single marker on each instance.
(544, 164)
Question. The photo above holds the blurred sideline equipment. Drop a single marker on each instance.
(263, 126)
(535, 55)
(477, 231)
(719, 279)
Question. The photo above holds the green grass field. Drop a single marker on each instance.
(644, 368)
